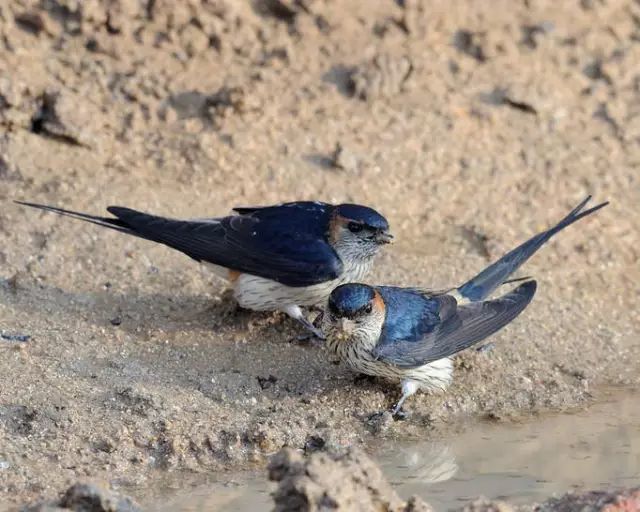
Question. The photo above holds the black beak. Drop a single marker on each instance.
(383, 237)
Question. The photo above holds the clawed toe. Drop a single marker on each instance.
(307, 338)
(314, 338)
(375, 416)
(400, 414)
(397, 413)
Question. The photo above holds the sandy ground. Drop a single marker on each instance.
(471, 125)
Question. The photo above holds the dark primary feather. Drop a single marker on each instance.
(284, 243)
(490, 278)
(287, 247)
(446, 329)
(106, 222)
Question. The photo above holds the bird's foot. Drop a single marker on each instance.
(296, 313)
(307, 338)
(399, 414)
(314, 332)
(376, 416)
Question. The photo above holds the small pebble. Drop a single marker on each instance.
(487, 347)
(380, 422)
(344, 159)
(18, 338)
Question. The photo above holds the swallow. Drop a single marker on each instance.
(277, 258)
(409, 334)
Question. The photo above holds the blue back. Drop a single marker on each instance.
(285, 243)
(301, 219)
(409, 314)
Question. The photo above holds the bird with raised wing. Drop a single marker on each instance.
(276, 257)
(409, 334)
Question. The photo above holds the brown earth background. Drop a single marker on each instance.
(470, 125)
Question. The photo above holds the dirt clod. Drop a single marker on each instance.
(347, 481)
(383, 77)
(87, 497)
(66, 117)
(627, 500)
(344, 159)
(187, 109)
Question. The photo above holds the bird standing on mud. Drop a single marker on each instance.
(408, 334)
(277, 257)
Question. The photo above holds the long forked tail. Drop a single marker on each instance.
(107, 222)
(495, 274)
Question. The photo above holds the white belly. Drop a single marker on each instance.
(435, 376)
(260, 294)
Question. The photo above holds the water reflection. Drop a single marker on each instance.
(596, 448)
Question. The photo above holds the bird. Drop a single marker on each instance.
(277, 258)
(409, 334)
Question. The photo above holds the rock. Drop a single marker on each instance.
(194, 40)
(383, 77)
(344, 159)
(228, 100)
(506, 97)
(194, 104)
(67, 117)
(380, 423)
(266, 382)
(594, 501)
(31, 21)
(280, 9)
(16, 104)
(334, 481)
(136, 401)
(119, 14)
(314, 444)
(87, 497)
(471, 44)
(484, 505)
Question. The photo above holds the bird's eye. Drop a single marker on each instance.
(368, 308)
(354, 227)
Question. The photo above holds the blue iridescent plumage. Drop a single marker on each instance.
(364, 215)
(418, 323)
(419, 328)
(287, 243)
(494, 275)
(440, 327)
(349, 299)
(409, 314)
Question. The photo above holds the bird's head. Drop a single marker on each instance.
(357, 231)
(354, 308)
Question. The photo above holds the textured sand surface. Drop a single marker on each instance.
(470, 125)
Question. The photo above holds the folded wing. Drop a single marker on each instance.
(289, 250)
(284, 243)
(454, 330)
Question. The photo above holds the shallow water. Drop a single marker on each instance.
(525, 462)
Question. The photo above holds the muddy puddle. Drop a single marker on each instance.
(524, 462)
